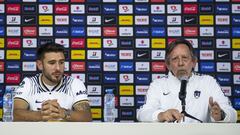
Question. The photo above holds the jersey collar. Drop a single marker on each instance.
(45, 87)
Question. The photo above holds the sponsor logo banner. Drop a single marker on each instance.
(13, 54)
(77, 43)
(94, 89)
(190, 9)
(13, 43)
(110, 78)
(78, 54)
(127, 113)
(126, 66)
(207, 66)
(13, 8)
(78, 66)
(29, 55)
(140, 100)
(126, 90)
(110, 54)
(93, 9)
(236, 91)
(96, 113)
(225, 79)
(94, 78)
(94, 66)
(77, 20)
(12, 78)
(142, 79)
(236, 67)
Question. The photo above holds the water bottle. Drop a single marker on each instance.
(8, 106)
(109, 106)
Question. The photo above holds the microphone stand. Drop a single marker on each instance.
(182, 97)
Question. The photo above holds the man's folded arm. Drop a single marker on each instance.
(22, 113)
(81, 112)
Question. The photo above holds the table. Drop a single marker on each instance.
(100, 128)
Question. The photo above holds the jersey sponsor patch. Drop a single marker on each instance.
(81, 92)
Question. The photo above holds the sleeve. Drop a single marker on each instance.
(79, 91)
(223, 101)
(152, 107)
(23, 90)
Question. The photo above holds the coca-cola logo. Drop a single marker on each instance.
(13, 8)
(190, 8)
(13, 43)
(78, 43)
(12, 78)
(61, 9)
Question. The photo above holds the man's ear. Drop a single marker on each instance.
(167, 65)
(194, 62)
(39, 65)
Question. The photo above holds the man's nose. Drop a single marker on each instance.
(180, 61)
(58, 66)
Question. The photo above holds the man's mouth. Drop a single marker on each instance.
(56, 74)
(181, 73)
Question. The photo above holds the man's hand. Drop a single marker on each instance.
(51, 110)
(215, 110)
(170, 116)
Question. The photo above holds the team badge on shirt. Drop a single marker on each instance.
(197, 94)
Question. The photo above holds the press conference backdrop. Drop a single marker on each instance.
(120, 44)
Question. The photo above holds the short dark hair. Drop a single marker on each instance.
(176, 42)
(49, 47)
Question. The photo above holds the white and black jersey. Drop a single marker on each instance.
(67, 92)
(163, 95)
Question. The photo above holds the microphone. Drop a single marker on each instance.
(182, 96)
(182, 92)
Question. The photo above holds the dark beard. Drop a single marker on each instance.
(50, 79)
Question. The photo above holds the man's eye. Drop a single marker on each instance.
(174, 59)
(186, 58)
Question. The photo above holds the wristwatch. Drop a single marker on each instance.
(67, 114)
